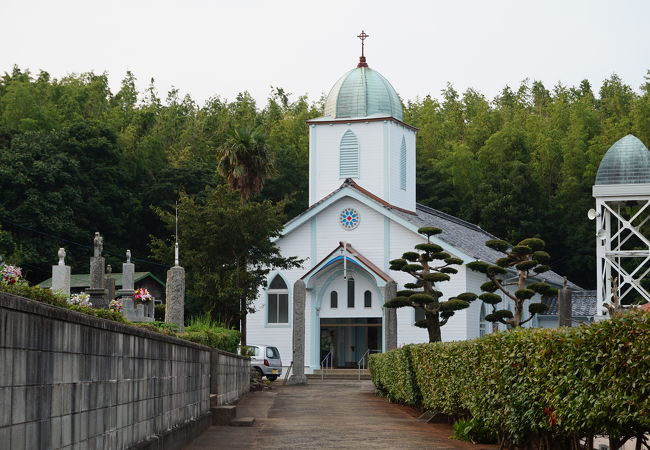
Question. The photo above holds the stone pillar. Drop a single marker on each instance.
(299, 299)
(390, 317)
(175, 293)
(564, 302)
(109, 285)
(61, 276)
(97, 290)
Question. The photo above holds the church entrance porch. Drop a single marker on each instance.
(345, 341)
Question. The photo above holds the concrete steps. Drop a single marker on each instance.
(339, 374)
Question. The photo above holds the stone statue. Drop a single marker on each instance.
(98, 243)
(128, 256)
(109, 269)
(61, 256)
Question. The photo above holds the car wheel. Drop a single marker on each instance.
(272, 377)
(260, 374)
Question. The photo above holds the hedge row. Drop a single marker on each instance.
(563, 383)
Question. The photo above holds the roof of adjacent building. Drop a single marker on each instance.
(362, 93)
(467, 237)
(82, 280)
(626, 162)
(583, 304)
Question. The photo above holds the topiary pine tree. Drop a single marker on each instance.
(429, 265)
(526, 257)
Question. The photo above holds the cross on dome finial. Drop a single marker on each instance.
(362, 59)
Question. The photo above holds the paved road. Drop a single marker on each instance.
(329, 414)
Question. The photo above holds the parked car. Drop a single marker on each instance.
(266, 360)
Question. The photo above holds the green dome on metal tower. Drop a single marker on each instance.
(626, 162)
(363, 92)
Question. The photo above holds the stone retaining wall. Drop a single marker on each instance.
(68, 379)
(229, 376)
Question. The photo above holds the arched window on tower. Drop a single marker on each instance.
(402, 165)
(349, 156)
(367, 299)
(334, 299)
(278, 301)
(350, 292)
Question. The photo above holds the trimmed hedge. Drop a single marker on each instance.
(393, 376)
(529, 383)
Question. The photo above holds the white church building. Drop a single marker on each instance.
(362, 214)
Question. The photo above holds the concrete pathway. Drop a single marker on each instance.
(327, 414)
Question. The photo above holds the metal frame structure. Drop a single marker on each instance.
(622, 251)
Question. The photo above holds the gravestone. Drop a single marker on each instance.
(97, 290)
(131, 310)
(175, 294)
(109, 284)
(61, 275)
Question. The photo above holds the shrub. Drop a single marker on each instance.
(219, 338)
(474, 431)
(39, 294)
(525, 384)
(108, 314)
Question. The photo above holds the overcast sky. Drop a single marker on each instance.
(212, 47)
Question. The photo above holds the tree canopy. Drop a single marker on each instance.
(77, 157)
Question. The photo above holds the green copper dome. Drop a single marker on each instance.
(363, 92)
(626, 162)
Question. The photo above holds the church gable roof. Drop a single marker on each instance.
(467, 238)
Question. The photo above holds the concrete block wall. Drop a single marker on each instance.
(68, 380)
(229, 376)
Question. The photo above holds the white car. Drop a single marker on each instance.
(266, 360)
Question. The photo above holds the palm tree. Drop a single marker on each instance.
(245, 161)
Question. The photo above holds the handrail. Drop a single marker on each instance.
(362, 364)
(323, 364)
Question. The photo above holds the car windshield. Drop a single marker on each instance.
(272, 352)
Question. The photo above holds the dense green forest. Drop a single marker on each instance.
(76, 158)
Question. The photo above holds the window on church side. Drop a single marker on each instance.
(367, 299)
(350, 292)
(482, 331)
(402, 165)
(334, 300)
(349, 156)
(278, 301)
(419, 314)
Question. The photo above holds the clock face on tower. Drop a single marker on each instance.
(349, 218)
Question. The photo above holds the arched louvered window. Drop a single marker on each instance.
(367, 299)
(278, 301)
(402, 164)
(349, 156)
(334, 300)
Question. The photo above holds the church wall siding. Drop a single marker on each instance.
(327, 151)
(259, 332)
(397, 196)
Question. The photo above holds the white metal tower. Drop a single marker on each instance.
(622, 193)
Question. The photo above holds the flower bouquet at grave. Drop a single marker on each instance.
(10, 274)
(81, 299)
(115, 305)
(142, 296)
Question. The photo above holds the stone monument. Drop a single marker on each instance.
(61, 276)
(109, 284)
(131, 310)
(97, 290)
(175, 293)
